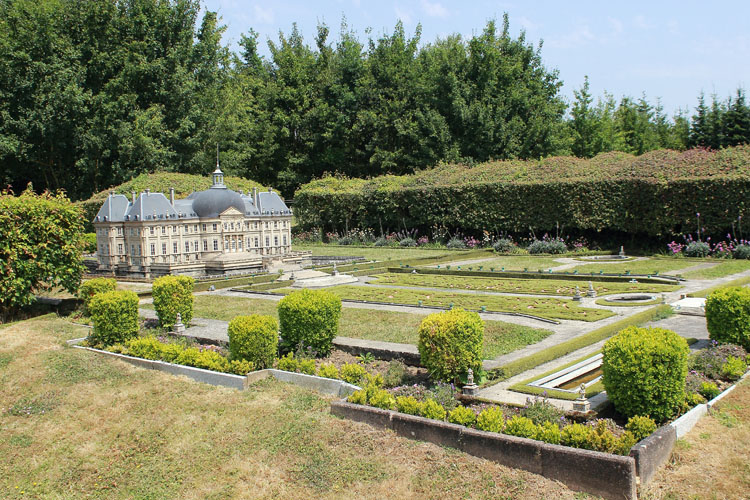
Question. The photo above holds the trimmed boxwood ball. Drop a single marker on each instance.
(644, 372)
(450, 343)
(91, 287)
(254, 338)
(310, 318)
(115, 317)
(172, 295)
(728, 316)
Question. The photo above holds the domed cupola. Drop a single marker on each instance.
(215, 200)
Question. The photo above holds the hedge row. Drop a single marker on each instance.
(658, 193)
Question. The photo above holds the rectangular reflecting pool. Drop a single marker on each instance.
(569, 379)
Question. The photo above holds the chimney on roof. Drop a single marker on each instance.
(148, 192)
(255, 197)
(171, 196)
(133, 194)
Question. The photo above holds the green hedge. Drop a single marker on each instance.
(254, 338)
(521, 365)
(115, 317)
(450, 342)
(728, 316)
(204, 285)
(657, 193)
(94, 286)
(310, 318)
(644, 370)
(172, 295)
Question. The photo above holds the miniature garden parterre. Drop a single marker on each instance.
(649, 374)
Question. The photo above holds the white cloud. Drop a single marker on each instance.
(643, 23)
(582, 35)
(527, 24)
(435, 9)
(261, 15)
(616, 25)
(403, 15)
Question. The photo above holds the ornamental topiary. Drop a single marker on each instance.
(728, 316)
(450, 343)
(521, 427)
(462, 415)
(115, 317)
(172, 295)
(91, 287)
(641, 427)
(644, 372)
(408, 405)
(310, 318)
(254, 338)
(491, 419)
(432, 409)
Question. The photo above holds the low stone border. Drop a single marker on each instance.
(334, 387)
(653, 451)
(603, 474)
(387, 351)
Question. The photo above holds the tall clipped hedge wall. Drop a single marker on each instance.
(657, 193)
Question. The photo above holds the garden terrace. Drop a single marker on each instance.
(655, 194)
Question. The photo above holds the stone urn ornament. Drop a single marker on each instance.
(577, 297)
(179, 328)
(591, 292)
(582, 404)
(470, 388)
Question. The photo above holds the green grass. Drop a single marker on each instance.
(514, 262)
(551, 308)
(523, 286)
(706, 292)
(650, 266)
(532, 361)
(377, 253)
(387, 326)
(721, 269)
(100, 428)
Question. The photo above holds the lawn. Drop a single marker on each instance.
(376, 253)
(508, 285)
(721, 269)
(650, 266)
(515, 262)
(551, 308)
(499, 337)
(77, 425)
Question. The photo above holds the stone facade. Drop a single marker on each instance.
(212, 232)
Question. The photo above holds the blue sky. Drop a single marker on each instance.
(667, 49)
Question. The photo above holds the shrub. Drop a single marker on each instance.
(287, 363)
(93, 286)
(374, 379)
(358, 397)
(541, 410)
(551, 246)
(444, 395)
(641, 427)
(407, 242)
(521, 427)
(432, 409)
(733, 369)
(145, 347)
(40, 247)
(624, 443)
(601, 438)
(504, 245)
(462, 416)
(548, 432)
(381, 242)
(353, 373)
(382, 399)
(450, 343)
(741, 252)
(328, 370)
(172, 295)
(170, 352)
(710, 361)
(728, 316)
(644, 371)
(408, 405)
(456, 244)
(115, 317)
(241, 366)
(694, 399)
(88, 243)
(311, 318)
(395, 374)
(697, 249)
(491, 419)
(207, 360)
(575, 435)
(254, 338)
(307, 366)
(709, 390)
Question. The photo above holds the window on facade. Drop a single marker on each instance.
(268, 241)
(139, 250)
(232, 226)
(174, 229)
(275, 224)
(204, 228)
(284, 240)
(234, 245)
(248, 243)
(132, 249)
(256, 243)
(275, 241)
(283, 224)
(195, 228)
(239, 244)
(151, 230)
(214, 227)
(174, 247)
(119, 231)
(187, 247)
(153, 249)
(266, 225)
(164, 249)
(216, 245)
(163, 229)
(119, 249)
(205, 245)
(255, 225)
(187, 229)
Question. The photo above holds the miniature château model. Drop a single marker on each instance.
(213, 232)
